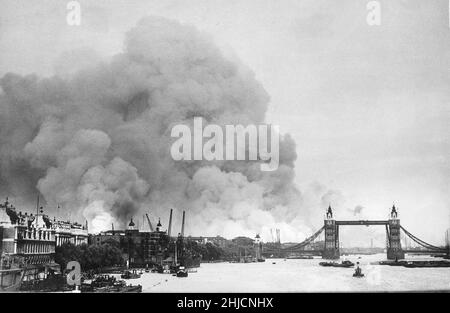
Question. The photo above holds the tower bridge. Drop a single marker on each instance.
(331, 227)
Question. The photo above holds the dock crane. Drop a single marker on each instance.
(149, 223)
(170, 223)
(182, 225)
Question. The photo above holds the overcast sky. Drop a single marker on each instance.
(367, 105)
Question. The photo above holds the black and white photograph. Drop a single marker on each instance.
(224, 147)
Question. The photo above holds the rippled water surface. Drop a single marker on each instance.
(299, 276)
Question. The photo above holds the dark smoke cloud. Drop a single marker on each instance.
(357, 210)
(96, 141)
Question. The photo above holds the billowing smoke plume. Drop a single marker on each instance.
(357, 210)
(97, 142)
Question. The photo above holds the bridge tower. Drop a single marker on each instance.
(394, 248)
(331, 249)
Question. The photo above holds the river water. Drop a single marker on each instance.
(299, 276)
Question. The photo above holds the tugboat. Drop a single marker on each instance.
(358, 273)
(182, 272)
(130, 275)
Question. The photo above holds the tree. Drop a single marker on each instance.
(92, 257)
(68, 252)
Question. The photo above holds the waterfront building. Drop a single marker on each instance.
(28, 243)
(69, 232)
(117, 236)
(149, 246)
(26, 235)
(139, 247)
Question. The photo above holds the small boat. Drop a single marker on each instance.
(335, 264)
(346, 263)
(300, 257)
(393, 263)
(119, 287)
(327, 263)
(130, 275)
(421, 264)
(129, 289)
(103, 281)
(182, 272)
(261, 260)
(414, 264)
(147, 270)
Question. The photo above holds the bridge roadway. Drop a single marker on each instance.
(362, 222)
(442, 251)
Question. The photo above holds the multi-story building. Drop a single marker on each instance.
(27, 236)
(28, 243)
(139, 247)
(149, 246)
(68, 232)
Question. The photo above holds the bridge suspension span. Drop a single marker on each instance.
(330, 247)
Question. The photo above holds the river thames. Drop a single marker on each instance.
(297, 275)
